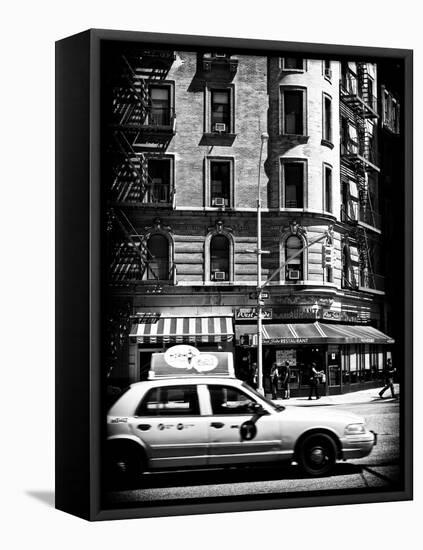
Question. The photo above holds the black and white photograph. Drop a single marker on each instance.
(252, 221)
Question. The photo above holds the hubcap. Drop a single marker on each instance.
(317, 456)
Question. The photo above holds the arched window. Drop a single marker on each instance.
(157, 258)
(219, 258)
(294, 265)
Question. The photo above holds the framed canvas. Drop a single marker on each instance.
(233, 274)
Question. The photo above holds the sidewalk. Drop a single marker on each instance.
(364, 396)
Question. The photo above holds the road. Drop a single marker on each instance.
(379, 470)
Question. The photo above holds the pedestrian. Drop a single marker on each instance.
(314, 381)
(274, 379)
(285, 374)
(390, 370)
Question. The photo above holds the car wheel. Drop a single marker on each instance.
(124, 465)
(317, 454)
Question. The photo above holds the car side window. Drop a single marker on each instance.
(170, 401)
(228, 400)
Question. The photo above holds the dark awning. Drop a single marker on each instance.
(184, 330)
(316, 333)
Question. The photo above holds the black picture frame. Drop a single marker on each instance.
(78, 275)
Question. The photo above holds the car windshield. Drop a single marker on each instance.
(277, 408)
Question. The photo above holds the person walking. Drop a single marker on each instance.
(254, 375)
(284, 377)
(274, 379)
(314, 381)
(390, 370)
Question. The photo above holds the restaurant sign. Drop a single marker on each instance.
(250, 314)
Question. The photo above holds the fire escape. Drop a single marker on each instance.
(359, 163)
(141, 123)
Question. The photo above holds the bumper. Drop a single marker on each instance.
(357, 446)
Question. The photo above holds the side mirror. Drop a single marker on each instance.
(256, 408)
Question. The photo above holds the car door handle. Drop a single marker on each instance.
(217, 424)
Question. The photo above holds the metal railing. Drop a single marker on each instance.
(351, 91)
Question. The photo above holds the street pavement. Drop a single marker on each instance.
(378, 471)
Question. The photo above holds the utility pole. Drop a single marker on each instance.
(260, 389)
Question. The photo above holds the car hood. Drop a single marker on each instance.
(324, 415)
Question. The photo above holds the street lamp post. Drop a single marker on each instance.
(260, 389)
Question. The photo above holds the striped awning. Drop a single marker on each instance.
(316, 333)
(184, 330)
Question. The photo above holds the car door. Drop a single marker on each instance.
(169, 423)
(236, 433)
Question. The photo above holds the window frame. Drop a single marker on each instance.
(234, 389)
(327, 139)
(329, 68)
(207, 258)
(170, 85)
(171, 161)
(282, 185)
(290, 69)
(209, 90)
(282, 117)
(141, 413)
(325, 167)
(208, 181)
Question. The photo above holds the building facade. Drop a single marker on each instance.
(181, 152)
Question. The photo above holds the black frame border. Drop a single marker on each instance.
(78, 280)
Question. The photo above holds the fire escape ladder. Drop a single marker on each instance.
(368, 277)
(138, 243)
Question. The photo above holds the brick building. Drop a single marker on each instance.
(181, 151)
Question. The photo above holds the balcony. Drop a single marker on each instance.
(362, 151)
(357, 96)
(363, 280)
(355, 213)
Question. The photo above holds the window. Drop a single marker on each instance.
(293, 258)
(219, 258)
(220, 182)
(327, 175)
(327, 70)
(227, 400)
(293, 184)
(170, 401)
(159, 181)
(157, 258)
(159, 106)
(293, 64)
(327, 118)
(220, 111)
(293, 109)
(390, 112)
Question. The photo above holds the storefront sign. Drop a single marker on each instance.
(286, 340)
(148, 318)
(250, 313)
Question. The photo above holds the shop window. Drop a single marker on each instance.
(226, 400)
(293, 258)
(293, 64)
(160, 106)
(157, 267)
(293, 109)
(170, 401)
(327, 120)
(220, 176)
(219, 258)
(293, 175)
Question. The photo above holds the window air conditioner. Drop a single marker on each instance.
(218, 201)
(294, 274)
(219, 275)
(328, 73)
(220, 55)
(220, 127)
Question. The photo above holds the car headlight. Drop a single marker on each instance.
(355, 429)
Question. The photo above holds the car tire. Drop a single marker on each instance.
(124, 465)
(316, 455)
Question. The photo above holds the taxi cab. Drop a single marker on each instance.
(202, 418)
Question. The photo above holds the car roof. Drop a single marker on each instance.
(176, 381)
